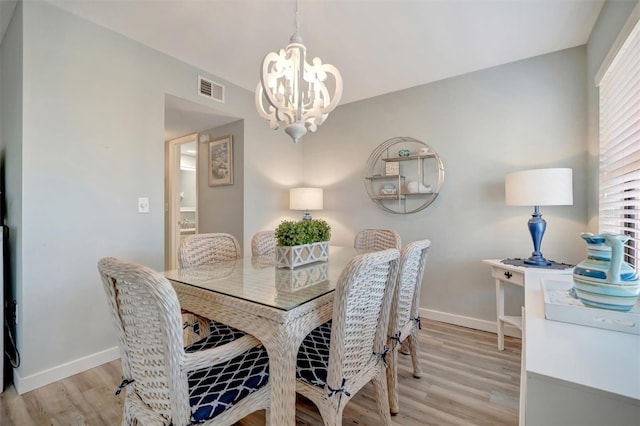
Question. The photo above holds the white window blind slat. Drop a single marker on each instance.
(615, 193)
(622, 112)
(618, 90)
(618, 112)
(611, 164)
(624, 139)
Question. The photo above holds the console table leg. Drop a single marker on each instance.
(500, 313)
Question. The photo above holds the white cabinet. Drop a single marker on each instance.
(577, 375)
(188, 221)
(509, 275)
(572, 375)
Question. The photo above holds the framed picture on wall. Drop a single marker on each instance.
(221, 161)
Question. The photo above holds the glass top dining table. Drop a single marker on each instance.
(256, 279)
(277, 306)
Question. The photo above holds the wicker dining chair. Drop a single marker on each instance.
(377, 239)
(200, 249)
(263, 243)
(404, 320)
(216, 381)
(338, 358)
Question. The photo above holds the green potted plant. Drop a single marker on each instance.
(302, 242)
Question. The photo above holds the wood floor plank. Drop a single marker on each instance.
(13, 409)
(466, 381)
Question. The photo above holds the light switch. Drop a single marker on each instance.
(143, 205)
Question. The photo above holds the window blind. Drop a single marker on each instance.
(619, 175)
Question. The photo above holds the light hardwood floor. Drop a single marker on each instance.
(466, 381)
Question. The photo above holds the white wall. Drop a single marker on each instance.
(93, 123)
(527, 114)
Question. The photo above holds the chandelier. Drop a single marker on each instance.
(293, 92)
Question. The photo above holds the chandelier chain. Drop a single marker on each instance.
(297, 24)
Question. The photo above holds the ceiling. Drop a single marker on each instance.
(379, 46)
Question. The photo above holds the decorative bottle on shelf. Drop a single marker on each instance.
(604, 279)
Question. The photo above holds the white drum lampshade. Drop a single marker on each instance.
(306, 199)
(540, 187)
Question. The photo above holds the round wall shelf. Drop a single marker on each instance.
(403, 175)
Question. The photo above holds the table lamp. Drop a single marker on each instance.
(539, 187)
(305, 199)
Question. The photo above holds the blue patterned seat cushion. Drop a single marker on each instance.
(215, 328)
(219, 334)
(213, 390)
(313, 356)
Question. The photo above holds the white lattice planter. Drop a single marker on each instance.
(290, 257)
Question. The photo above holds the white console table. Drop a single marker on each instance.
(505, 275)
(572, 375)
(576, 375)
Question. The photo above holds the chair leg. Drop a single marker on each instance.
(380, 390)
(415, 353)
(332, 413)
(392, 382)
(127, 416)
(404, 347)
(267, 417)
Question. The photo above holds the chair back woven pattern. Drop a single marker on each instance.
(146, 313)
(413, 258)
(377, 239)
(263, 243)
(200, 249)
(360, 314)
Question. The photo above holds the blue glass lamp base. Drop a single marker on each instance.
(537, 226)
(537, 261)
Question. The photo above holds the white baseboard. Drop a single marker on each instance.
(43, 378)
(469, 322)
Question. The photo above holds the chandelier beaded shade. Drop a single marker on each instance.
(293, 92)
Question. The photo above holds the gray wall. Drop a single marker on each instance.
(220, 208)
(92, 139)
(612, 18)
(11, 102)
(527, 114)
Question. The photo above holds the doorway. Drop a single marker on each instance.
(183, 194)
(184, 117)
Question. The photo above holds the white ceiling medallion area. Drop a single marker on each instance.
(293, 92)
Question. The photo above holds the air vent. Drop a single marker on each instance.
(210, 89)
